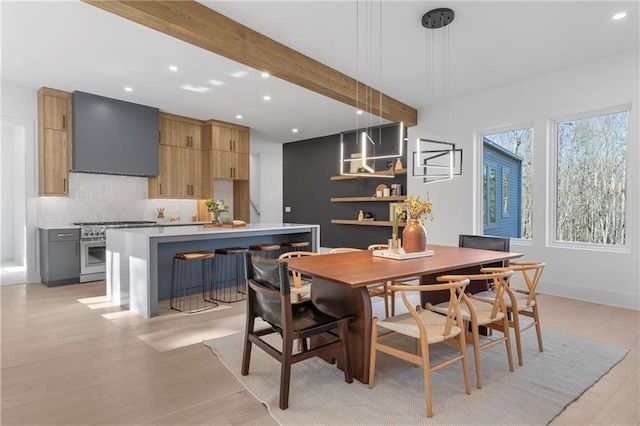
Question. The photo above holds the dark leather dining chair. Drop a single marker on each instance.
(269, 298)
(485, 243)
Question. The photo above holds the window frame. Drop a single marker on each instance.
(552, 187)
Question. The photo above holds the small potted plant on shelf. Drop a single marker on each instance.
(216, 207)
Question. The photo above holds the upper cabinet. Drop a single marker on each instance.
(227, 137)
(184, 160)
(229, 150)
(54, 141)
(181, 131)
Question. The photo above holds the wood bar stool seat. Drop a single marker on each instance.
(288, 246)
(191, 279)
(269, 251)
(229, 284)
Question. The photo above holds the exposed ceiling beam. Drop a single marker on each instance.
(201, 26)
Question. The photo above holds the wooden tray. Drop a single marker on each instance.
(224, 225)
(402, 255)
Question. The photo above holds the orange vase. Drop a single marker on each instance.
(414, 237)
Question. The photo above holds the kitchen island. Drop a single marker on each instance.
(139, 260)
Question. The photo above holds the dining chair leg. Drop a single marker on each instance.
(476, 354)
(516, 330)
(426, 370)
(386, 300)
(246, 353)
(465, 362)
(505, 325)
(285, 372)
(373, 351)
(536, 318)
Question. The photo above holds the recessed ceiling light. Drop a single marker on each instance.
(265, 74)
(215, 82)
(267, 98)
(173, 68)
(360, 111)
(294, 130)
(239, 117)
(238, 74)
(619, 15)
(128, 89)
(199, 89)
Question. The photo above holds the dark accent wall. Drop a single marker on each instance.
(308, 189)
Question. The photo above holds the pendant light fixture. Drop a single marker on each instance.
(360, 150)
(437, 160)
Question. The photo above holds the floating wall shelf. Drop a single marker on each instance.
(373, 175)
(360, 199)
(366, 222)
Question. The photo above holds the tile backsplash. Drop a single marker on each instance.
(95, 198)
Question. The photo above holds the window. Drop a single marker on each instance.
(505, 193)
(491, 196)
(508, 200)
(591, 186)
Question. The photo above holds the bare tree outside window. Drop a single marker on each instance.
(591, 187)
(520, 142)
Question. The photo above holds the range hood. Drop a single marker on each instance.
(114, 137)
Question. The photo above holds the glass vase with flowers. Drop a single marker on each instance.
(216, 207)
(414, 235)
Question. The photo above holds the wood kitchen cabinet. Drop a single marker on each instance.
(184, 160)
(229, 150)
(183, 174)
(181, 131)
(229, 165)
(54, 141)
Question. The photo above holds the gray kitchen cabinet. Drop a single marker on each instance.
(59, 256)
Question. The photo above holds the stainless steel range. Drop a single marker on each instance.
(93, 246)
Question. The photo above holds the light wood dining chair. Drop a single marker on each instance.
(427, 328)
(382, 290)
(478, 313)
(521, 302)
(390, 304)
(301, 285)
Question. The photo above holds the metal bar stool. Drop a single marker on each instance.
(288, 246)
(191, 277)
(230, 283)
(269, 251)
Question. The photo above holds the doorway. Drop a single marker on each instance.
(17, 257)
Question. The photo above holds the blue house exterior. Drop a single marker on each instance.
(502, 190)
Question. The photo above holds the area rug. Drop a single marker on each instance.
(533, 394)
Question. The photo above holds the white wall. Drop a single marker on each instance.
(18, 111)
(266, 180)
(594, 275)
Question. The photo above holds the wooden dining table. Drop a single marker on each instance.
(339, 285)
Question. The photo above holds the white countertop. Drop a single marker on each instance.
(165, 231)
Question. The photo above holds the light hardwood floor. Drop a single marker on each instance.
(70, 357)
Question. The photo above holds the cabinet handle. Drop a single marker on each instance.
(64, 234)
(159, 137)
(64, 184)
(160, 188)
(64, 121)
